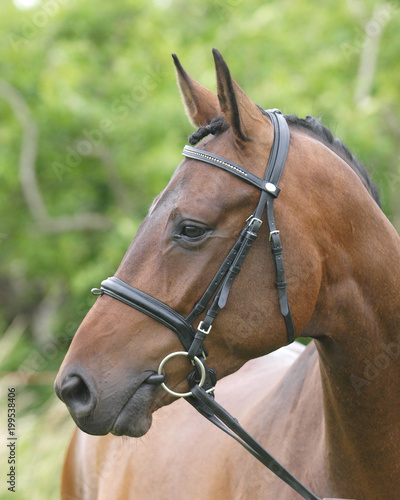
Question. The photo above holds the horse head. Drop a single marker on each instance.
(190, 228)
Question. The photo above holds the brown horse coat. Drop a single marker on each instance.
(330, 417)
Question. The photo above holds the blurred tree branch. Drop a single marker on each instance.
(392, 123)
(359, 10)
(372, 29)
(12, 335)
(121, 196)
(45, 313)
(28, 179)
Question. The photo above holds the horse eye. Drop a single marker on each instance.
(192, 231)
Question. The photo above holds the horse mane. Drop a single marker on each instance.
(323, 134)
(312, 126)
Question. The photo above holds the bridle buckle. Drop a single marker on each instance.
(272, 233)
(203, 330)
(253, 219)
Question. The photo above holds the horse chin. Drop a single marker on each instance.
(135, 418)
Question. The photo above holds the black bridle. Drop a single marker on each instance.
(202, 379)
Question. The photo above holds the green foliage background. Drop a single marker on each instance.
(97, 80)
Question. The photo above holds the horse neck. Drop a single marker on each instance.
(357, 320)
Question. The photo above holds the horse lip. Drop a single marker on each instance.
(141, 383)
(136, 408)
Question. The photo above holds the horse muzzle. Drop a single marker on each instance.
(125, 412)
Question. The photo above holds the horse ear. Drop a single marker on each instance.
(240, 112)
(201, 105)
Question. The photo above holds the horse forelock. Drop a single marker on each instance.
(217, 126)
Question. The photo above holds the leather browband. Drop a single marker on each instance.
(228, 166)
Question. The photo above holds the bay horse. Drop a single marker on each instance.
(328, 412)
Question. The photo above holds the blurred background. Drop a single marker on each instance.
(92, 127)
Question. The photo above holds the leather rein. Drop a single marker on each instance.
(203, 379)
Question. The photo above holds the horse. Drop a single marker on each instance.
(327, 411)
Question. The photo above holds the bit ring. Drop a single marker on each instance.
(196, 360)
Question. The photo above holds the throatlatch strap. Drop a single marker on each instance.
(280, 277)
(276, 163)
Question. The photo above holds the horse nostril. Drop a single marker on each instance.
(77, 395)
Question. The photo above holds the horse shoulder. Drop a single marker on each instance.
(90, 469)
(290, 424)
